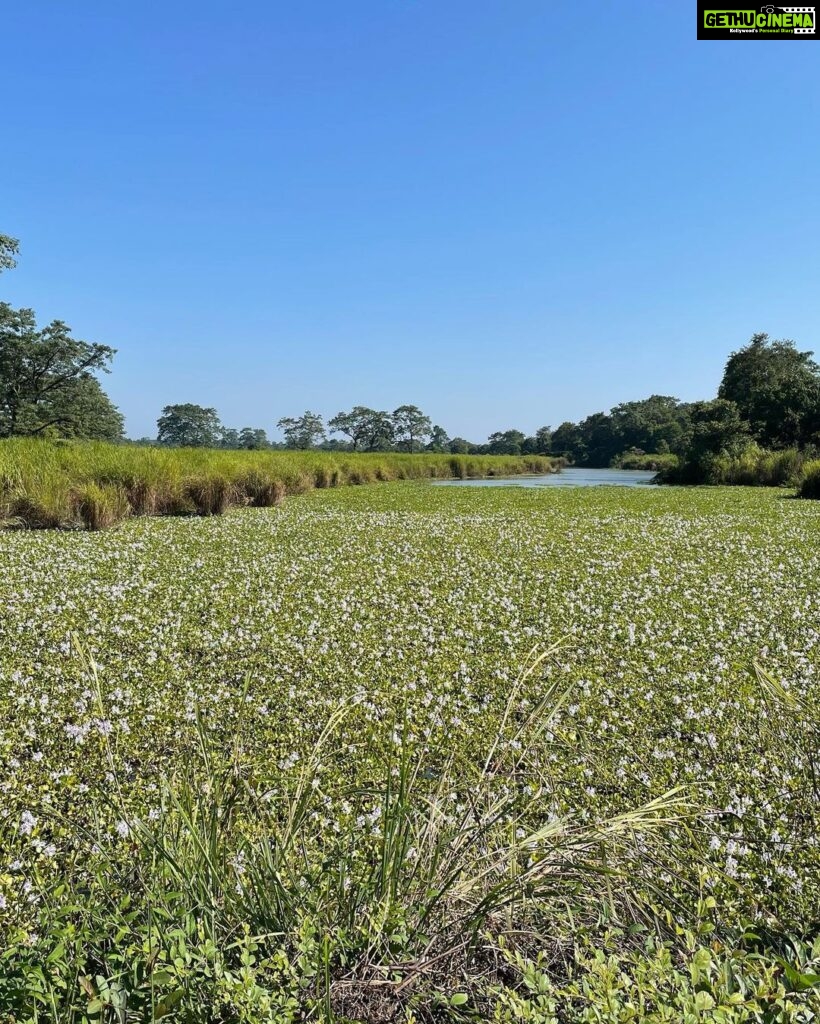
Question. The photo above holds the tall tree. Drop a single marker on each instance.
(189, 426)
(302, 432)
(543, 440)
(716, 429)
(567, 441)
(253, 438)
(410, 427)
(229, 437)
(439, 441)
(369, 430)
(776, 388)
(506, 442)
(47, 381)
(9, 248)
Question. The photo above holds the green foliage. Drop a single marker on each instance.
(367, 429)
(9, 248)
(634, 459)
(302, 432)
(40, 481)
(776, 388)
(654, 984)
(189, 426)
(716, 432)
(47, 384)
(317, 775)
(411, 428)
(810, 485)
(752, 467)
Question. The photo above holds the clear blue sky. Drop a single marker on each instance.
(508, 213)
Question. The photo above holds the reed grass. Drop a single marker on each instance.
(93, 485)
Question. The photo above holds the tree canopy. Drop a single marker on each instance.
(302, 432)
(189, 426)
(47, 382)
(776, 388)
(9, 248)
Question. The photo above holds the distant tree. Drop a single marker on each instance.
(302, 432)
(460, 446)
(717, 428)
(9, 248)
(228, 437)
(190, 426)
(368, 429)
(253, 438)
(600, 439)
(649, 422)
(47, 381)
(507, 442)
(776, 388)
(439, 441)
(410, 427)
(567, 441)
(543, 440)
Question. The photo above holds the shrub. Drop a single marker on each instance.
(810, 486)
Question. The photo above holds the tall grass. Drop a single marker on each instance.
(810, 485)
(92, 485)
(755, 467)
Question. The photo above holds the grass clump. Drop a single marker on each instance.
(100, 506)
(810, 485)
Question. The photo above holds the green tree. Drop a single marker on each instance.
(229, 438)
(567, 441)
(649, 423)
(410, 428)
(600, 439)
(717, 429)
(506, 442)
(47, 382)
(543, 440)
(9, 248)
(189, 426)
(302, 432)
(460, 446)
(776, 388)
(439, 441)
(368, 429)
(253, 438)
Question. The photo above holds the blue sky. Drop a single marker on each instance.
(508, 213)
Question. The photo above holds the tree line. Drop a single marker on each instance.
(769, 396)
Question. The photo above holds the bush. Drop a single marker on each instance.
(810, 486)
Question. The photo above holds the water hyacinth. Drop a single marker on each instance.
(218, 649)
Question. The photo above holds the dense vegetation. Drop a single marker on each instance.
(57, 484)
(302, 764)
(767, 401)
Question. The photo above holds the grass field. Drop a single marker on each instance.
(94, 485)
(410, 753)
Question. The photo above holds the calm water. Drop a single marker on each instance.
(566, 478)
